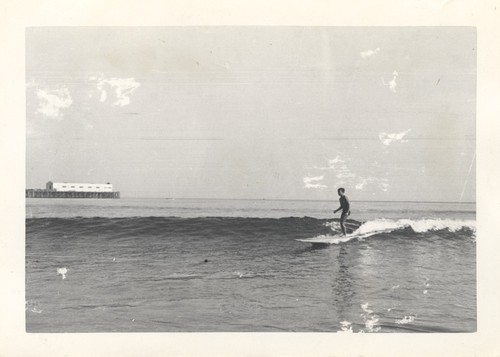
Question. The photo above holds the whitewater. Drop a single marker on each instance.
(154, 265)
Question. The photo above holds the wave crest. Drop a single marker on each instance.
(418, 226)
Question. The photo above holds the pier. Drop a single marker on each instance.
(40, 193)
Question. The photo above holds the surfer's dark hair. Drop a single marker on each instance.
(341, 190)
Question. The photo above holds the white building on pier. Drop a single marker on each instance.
(79, 187)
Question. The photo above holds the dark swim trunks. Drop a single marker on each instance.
(344, 215)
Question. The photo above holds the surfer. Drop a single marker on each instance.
(345, 206)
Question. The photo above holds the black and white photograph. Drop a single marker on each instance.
(251, 179)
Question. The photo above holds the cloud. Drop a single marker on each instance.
(122, 88)
(339, 166)
(345, 174)
(341, 169)
(104, 95)
(369, 53)
(360, 185)
(332, 164)
(384, 186)
(51, 101)
(388, 139)
(335, 161)
(380, 182)
(313, 182)
(392, 83)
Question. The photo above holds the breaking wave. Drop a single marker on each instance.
(418, 226)
(289, 227)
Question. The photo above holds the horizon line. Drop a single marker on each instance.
(289, 199)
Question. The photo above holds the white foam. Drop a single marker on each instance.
(406, 320)
(248, 274)
(333, 224)
(62, 271)
(419, 226)
(371, 320)
(345, 327)
(365, 308)
(380, 226)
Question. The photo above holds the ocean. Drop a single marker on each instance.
(194, 265)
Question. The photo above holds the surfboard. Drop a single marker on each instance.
(351, 226)
(339, 238)
(328, 239)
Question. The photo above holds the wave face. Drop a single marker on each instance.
(289, 227)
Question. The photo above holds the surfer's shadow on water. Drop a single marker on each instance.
(312, 248)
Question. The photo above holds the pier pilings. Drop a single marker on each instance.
(32, 193)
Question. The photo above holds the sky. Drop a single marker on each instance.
(388, 113)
